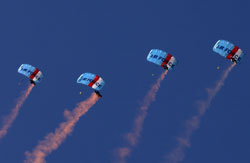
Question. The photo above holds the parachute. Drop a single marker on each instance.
(34, 74)
(161, 58)
(228, 51)
(93, 81)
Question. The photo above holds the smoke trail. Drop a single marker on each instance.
(133, 136)
(53, 140)
(177, 154)
(8, 120)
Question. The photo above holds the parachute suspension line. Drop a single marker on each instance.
(93, 81)
(34, 74)
(162, 58)
(228, 51)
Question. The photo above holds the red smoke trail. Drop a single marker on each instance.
(177, 154)
(53, 140)
(133, 136)
(8, 120)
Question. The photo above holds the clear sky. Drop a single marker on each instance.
(112, 39)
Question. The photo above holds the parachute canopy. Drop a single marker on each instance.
(91, 80)
(34, 74)
(228, 50)
(161, 58)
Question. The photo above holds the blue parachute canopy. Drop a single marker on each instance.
(161, 58)
(228, 50)
(34, 74)
(91, 80)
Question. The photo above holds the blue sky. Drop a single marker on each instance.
(112, 39)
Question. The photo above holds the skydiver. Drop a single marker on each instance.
(98, 94)
(32, 82)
